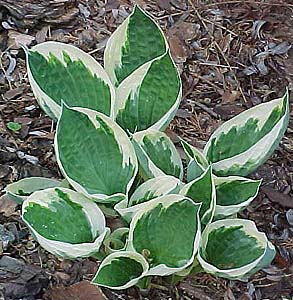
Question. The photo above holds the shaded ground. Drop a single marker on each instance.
(232, 56)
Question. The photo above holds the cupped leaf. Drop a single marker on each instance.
(95, 154)
(167, 232)
(121, 270)
(202, 190)
(196, 161)
(116, 241)
(136, 41)
(61, 72)
(64, 222)
(20, 190)
(234, 193)
(246, 141)
(149, 97)
(149, 190)
(156, 154)
(232, 248)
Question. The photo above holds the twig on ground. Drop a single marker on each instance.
(216, 65)
(220, 26)
(159, 287)
(207, 109)
(192, 10)
(206, 80)
(248, 2)
(173, 14)
(3, 69)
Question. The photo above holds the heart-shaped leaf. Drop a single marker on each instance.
(121, 270)
(246, 141)
(167, 233)
(65, 223)
(61, 72)
(149, 97)
(232, 248)
(95, 154)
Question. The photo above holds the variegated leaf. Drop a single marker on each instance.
(234, 193)
(167, 232)
(121, 270)
(196, 161)
(65, 223)
(232, 248)
(154, 188)
(116, 241)
(149, 97)
(95, 154)
(61, 72)
(136, 41)
(202, 190)
(156, 154)
(20, 190)
(149, 190)
(264, 262)
(246, 141)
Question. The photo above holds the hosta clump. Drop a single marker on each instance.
(115, 157)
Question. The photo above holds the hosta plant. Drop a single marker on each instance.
(117, 160)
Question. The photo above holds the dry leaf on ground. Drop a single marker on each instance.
(7, 206)
(83, 290)
(277, 197)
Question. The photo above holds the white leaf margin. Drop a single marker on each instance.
(161, 186)
(115, 235)
(166, 201)
(250, 228)
(229, 210)
(209, 214)
(57, 48)
(155, 171)
(64, 249)
(260, 150)
(125, 145)
(198, 156)
(36, 183)
(196, 161)
(129, 254)
(131, 86)
(112, 54)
